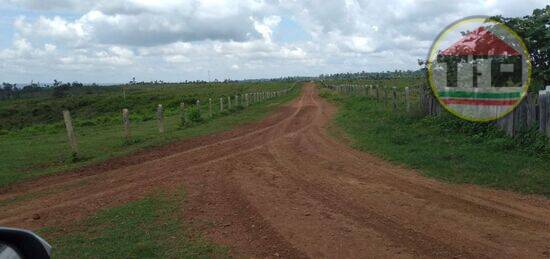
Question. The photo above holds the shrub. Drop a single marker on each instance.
(194, 115)
(190, 116)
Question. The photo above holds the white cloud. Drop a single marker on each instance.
(113, 40)
(265, 27)
(49, 47)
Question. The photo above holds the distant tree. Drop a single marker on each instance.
(535, 31)
(76, 84)
(7, 90)
(32, 88)
(60, 89)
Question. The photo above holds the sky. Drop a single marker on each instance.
(112, 41)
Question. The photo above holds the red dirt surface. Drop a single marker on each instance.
(283, 188)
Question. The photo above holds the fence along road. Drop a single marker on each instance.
(533, 110)
(282, 187)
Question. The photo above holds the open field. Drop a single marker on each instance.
(283, 187)
(102, 105)
(42, 148)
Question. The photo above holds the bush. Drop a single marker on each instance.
(194, 115)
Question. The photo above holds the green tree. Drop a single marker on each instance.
(535, 31)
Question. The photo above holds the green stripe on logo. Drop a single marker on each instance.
(481, 95)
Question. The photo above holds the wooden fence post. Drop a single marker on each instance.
(369, 91)
(246, 100)
(210, 107)
(160, 118)
(229, 102)
(506, 123)
(126, 122)
(394, 90)
(198, 106)
(385, 96)
(407, 99)
(377, 93)
(548, 111)
(70, 132)
(531, 110)
(542, 111)
(221, 104)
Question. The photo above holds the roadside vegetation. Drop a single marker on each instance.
(445, 147)
(152, 227)
(37, 146)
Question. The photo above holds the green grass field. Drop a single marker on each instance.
(102, 105)
(42, 149)
(149, 228)
(445, 147)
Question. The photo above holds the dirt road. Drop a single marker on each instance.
(282, 187)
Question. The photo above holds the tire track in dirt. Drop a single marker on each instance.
(139, 175)
(282, 187)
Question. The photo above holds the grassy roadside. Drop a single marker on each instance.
(26, 156)
(444, 148)
(149, 228)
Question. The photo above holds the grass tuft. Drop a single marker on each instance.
(149, 228)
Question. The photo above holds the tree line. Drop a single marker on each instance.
(374, 75)
(57, 90)
(534, 29)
